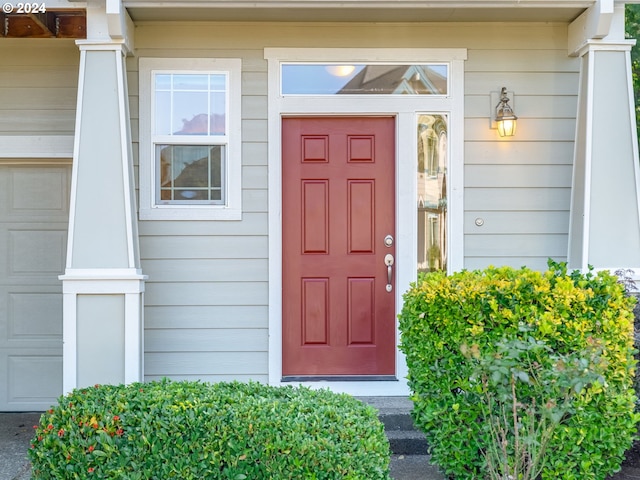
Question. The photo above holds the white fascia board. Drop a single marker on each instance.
(359, 3)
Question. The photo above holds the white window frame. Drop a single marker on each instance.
(405, 109)
(232, 208)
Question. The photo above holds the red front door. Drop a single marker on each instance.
(338, 205)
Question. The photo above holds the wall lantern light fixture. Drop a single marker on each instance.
(505, 118)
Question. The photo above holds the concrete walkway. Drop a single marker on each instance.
(16, 431)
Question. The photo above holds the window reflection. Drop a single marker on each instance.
(432, 192)
(358, 79)
(191, 173)
(190, 104)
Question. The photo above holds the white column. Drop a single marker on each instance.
(103, 285)
(604, 227)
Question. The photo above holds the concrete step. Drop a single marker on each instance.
(414, 467)
(394, 422)
(407, 442)
(395, 415)
(389, 404)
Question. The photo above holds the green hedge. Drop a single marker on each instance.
(191, 430)
(452, 324)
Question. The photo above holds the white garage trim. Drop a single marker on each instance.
(36, 146)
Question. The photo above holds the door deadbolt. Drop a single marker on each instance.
(388, 241)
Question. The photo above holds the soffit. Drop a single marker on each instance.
(358, 10)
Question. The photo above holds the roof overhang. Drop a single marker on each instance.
(121, 14)
(359, 10)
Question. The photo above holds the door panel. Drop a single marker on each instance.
(338, 206)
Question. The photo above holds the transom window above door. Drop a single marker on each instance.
(364, 79)
(189, 157)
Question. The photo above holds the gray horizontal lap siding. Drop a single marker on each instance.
(519, 189)
(206, 313)
(38, 86)
(206, 297)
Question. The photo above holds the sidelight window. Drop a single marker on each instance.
(432, 192)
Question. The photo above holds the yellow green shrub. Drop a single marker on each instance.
(452, 326)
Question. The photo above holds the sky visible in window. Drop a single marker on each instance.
(331, 79)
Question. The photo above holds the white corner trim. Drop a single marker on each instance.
(134, 337)
(69, 342)
(74, 166)
(588, 150)
(632, 124)
(126, 154)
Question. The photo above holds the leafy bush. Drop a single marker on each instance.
(191, 430)
(457, 332)
(625, 277)
(527, 391)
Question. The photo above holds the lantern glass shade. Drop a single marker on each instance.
(505, 118)
(506, 127)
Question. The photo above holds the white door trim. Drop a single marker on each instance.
(405, 110)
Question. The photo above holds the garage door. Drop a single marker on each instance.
(34, 211)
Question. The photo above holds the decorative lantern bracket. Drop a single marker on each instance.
(494, 101)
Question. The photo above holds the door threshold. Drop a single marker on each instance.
(339, 378)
